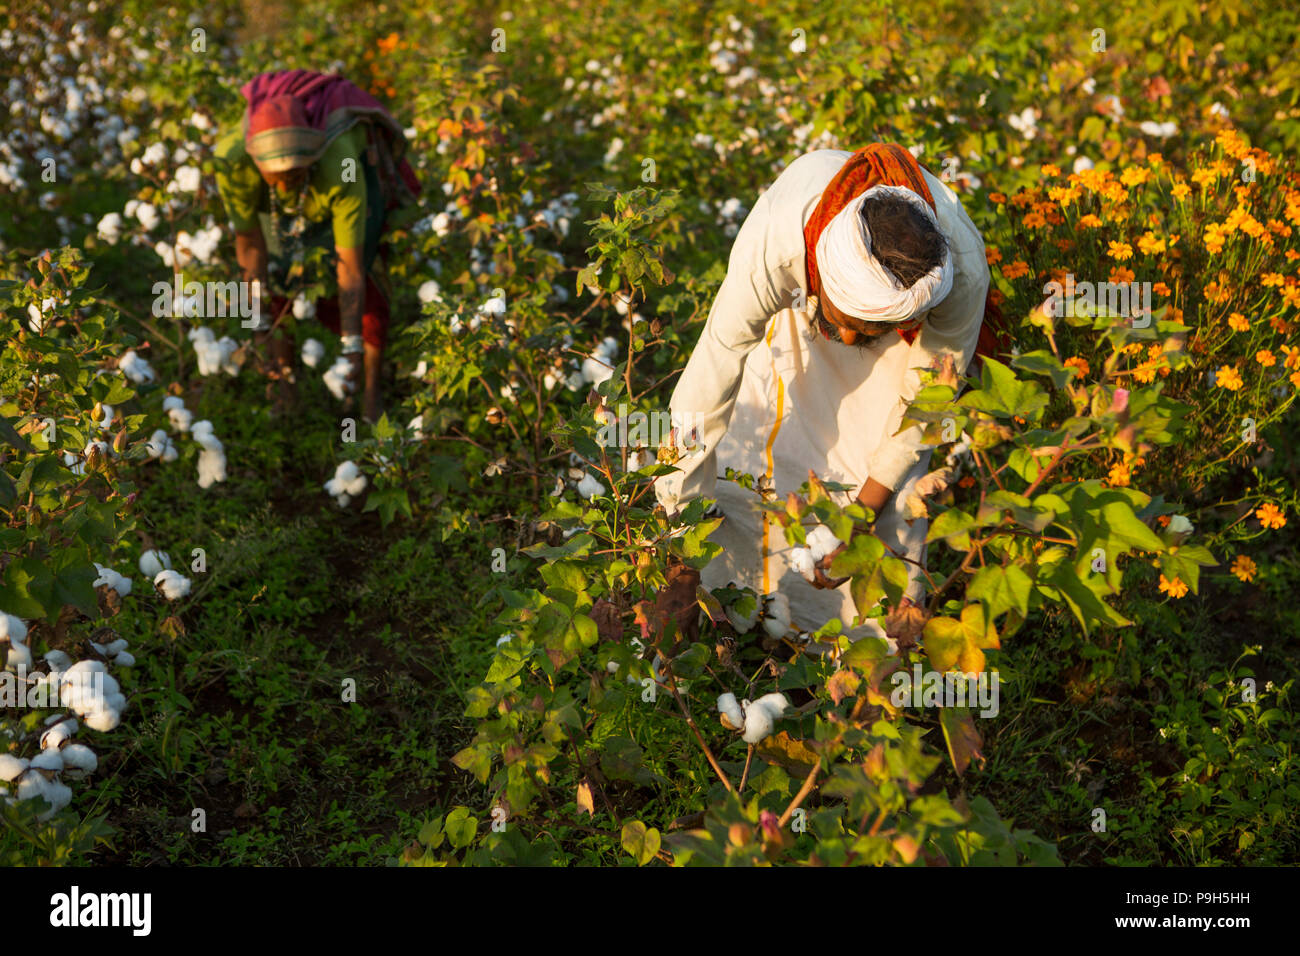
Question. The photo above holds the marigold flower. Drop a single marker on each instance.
(1090, 221)
(997, 197)
(1181, 190)
(1135, 176)
(992, 254)
(1047, 169)
(1120, 250)
(1164, 520)
(1160, 289)
(1244, 568)
(1271, 516)
(1081, 364)
(1265, 358)
(1035, 220)
(1228, 377)
(1291, 296)
(1292, 359)
(1120, 275)
(1150, 244)
(1175, 588)
(1015, 270)
(1119, 475)
(1237, 322)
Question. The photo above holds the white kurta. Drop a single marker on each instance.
(770, 397)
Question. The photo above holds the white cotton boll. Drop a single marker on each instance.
(430, 291)
(32, 785)
(730, 708)
(58, 660)
(336, 377)
(200, 121)
(112, 648)
(303, 307)
(742, 624)
(775, 627)
(171, 402)
(575, 381)
(821, 541)
(152, 563)
(416, 427)
(201, 431)
(173, 584)
(347, 472)
(155, 154)
(11, 767)
(12, 627)
(60, 732)
(312, 352)
(110, 228)
(758, 724)
(19, 657)
(135, 368)
(131, 206)
(187, 180)
(801, 562)
(159, 445)
(1180, 524)
(212, 467)
(79, 758)
(103, 719)
(148, 215)
(228, 351)
(35, 319)
(773, 704)
(181, 419)
(124, 659)
(594, 371)
(494, 306)
(51, 759)
(106, 422)
(356, 486)
(112, 580)
(589, 486)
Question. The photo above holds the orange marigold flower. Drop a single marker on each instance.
(1135, 176)
(1081, 364)
(1292, 255)
(1164, 521)
(1120, 250)
(1047, 169)
(1280, 325)
(1150, 244)
(1272, 280)
(1265, 358)
(1089, 221)
(1181, 190)
(1244, 568)
(1119, 475)
(1035, 220)
(1174, 588)
(1023, 198)
(998, 197)
(1291, 296)
(1237, 322)
(967, 481)
(992, 254)
(1204, 176)
(1160, 289)
(1015, 270)
(1295, 379)
(1121, 275)
(1271, 516)
(1228, 377)
(1292, 354)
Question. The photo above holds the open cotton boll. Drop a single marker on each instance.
(228, 352)
(51, 759)
(113, 648)
(742, 624)
(595, 371)
(137, 369)
(303, 307)
(173, 584)
(12, 627)
(430, 291)
(112, 580)
(172, 401)
(589, 486)
(202, 433)
(821, 542)
(11, 767)
(19, 657)
(60, 732)
(416, 427)
(79, 758)
(58, 660)
(336, 377)
(312, 352)
(778, 606)
(761, 716)
(1179, 524)
(181, 418)
(124, 659)
(109, 415)
(152, 562)
(212, 467)
(801, 562)
(730, 708)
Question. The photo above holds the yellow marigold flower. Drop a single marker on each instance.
(1160, 289)
(1237, 322)
(1231, 143)
(1015, 270)
(1270, 516)
(1228, 377)
(1120, 250)
(1115, 192)
(1150, 244)
(1081, 364)
(1155, 159)
(1181, 190)
(1223, 167)
(1145, 373)
(1291, 296)
(1089, 221)
(1174, 588)
(1121, 275)
(1063, 195)
(1119, 475)
(1244, 568)
(1272, 280)
(1292, 359)
(1047, 169)
(1265, 358)
(1035, 220)
(1135, 176)
(1295, 378)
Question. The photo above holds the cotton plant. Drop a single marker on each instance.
(136, 369)
(212, 354)
(172, 584)
(181, 418)
(820, 542)
(347, 483)
(212, 458)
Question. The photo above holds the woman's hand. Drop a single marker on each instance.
(821, 572)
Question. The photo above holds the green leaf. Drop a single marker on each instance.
(461, 827)
(640, 841)
(1001, 589)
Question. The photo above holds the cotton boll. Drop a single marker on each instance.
(312, 352)
(801, 561)
(730, 709)
(113, 648)
(58, 660)
(758, 724)
(774, 704)
(416, 427)
(148, 215)
(173, 584)
(159, 444)
(109, 228)
(589, 486)
(594, 371)
(79, 760)
(19, 657)
(212, 467)
(821, 542)
(187, 180)
(152, 563)
(51, 759)
(12, 627)
(304, 308)
(745, 624)
(1179, 524)
(11, 767)
(228, 350)
(135, 368)
(181, 419)
(778, 606)
(336, 377)
(103, 719)
(56, 735)
(106, 422)
(112, 580)
(172, 401)
(430, 291)
(124, 659)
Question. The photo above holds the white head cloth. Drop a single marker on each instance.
(855, 281)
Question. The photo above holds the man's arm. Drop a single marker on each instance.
(352, 297)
